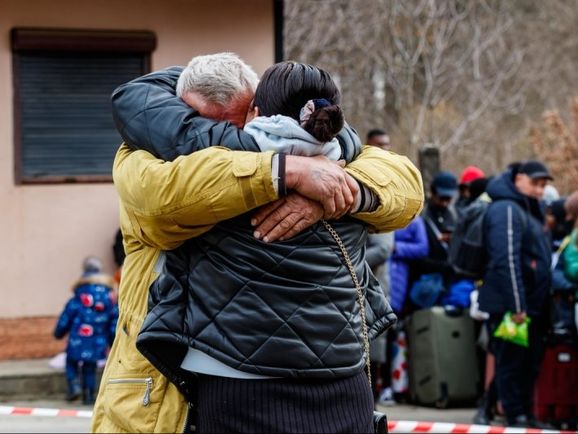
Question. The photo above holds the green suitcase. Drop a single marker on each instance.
(443, 367)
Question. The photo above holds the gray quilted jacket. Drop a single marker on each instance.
(285, 309)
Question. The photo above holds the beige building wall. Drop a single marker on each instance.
(46, 230)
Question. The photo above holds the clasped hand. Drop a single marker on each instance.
(318, 189)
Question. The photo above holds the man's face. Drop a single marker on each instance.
(235, 112)
(381, 141)
(464, 191)
(533, 188)
(440, 201)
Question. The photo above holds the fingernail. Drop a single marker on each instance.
(257, 234)
(266, 239)
(253, 222)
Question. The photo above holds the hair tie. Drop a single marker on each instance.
(309, 107)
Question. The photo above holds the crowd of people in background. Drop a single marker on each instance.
(522, 262)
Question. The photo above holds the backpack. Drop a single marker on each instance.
(467, 251)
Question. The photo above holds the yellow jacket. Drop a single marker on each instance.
(162, 204)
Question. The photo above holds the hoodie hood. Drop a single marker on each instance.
(284, 135)
(503, 188)
(95, 279)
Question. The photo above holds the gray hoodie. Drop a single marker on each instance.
(284, 135)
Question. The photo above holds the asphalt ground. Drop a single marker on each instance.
(61, 424)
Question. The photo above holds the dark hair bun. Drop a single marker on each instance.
(325, 122)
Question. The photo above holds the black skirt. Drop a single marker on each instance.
(231, 405)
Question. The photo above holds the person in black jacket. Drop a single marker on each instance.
(517, 280)
(440, 221)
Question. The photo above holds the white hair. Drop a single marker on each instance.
(218, 78)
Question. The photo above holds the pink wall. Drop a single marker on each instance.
(46, 230)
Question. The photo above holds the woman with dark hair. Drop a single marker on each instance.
(296, 111)
(273, 337)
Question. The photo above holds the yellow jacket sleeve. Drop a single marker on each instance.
(395, 181)
(165, 203)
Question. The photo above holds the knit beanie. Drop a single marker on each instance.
(471, 173)
(92, 265)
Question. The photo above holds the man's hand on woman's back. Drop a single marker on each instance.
(286, 217)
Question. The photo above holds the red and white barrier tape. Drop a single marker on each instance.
(402, 426)
(46, 412)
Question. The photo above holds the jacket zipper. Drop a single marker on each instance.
(187, 428)
(146, 400)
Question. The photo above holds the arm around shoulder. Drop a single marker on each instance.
(397, 183)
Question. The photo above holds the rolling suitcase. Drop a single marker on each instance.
(556, 393)
(443, 367)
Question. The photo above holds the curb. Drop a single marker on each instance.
(405, 426)
(402, 426)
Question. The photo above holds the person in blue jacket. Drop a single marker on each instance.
(517, 280)
(410, 243)
(89, 318)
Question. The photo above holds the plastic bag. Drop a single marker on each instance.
(512, 332)
(58, 361)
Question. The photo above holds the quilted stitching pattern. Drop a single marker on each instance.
(293, 314)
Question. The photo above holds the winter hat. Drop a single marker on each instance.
(92, 265)
(550, 194)
(535, 170)
(470, 174)
(445, 184)
(571, 206)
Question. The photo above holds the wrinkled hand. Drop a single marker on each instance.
(324, 181)
(285, 218)
(519, 317)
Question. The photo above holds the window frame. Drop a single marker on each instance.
(42, 40)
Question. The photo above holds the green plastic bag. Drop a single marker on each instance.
(512, 332)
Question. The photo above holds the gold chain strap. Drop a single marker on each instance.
(360, 296)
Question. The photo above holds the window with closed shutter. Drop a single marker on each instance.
(62, 85)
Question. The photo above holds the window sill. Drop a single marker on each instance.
(86, 179)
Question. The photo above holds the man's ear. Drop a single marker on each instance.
(252, 113)
(254, 109)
